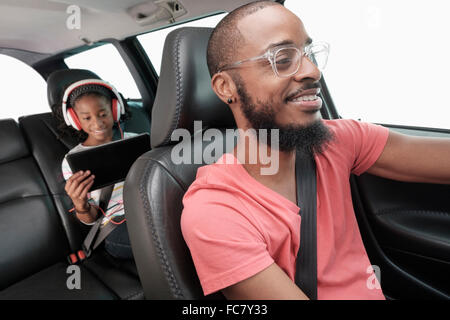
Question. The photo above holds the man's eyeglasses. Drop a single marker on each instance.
(286, 61)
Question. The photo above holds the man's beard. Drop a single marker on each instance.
(307, 139)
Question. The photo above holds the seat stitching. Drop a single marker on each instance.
(159, 249)
(406, 211)
(179, 88)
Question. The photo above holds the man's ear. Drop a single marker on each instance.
(224, 86)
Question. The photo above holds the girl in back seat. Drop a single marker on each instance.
(93, 108)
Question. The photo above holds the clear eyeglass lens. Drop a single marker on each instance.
(287, 61)
(318, 54)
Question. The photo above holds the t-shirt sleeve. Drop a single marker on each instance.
(66, 170)
(366, 141)
(226, 246)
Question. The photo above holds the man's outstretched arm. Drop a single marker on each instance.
(270, 284)
(414, 159)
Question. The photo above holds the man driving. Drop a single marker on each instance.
(243, 227)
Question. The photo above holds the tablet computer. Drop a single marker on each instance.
(110, 162)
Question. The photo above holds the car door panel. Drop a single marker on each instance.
(406, 231)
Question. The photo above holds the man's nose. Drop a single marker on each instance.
(307, 70)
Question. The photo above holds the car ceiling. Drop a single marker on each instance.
(40, 26)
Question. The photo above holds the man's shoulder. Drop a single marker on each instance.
(345, 125)
(215, 195)
(223, 172)
(346, 130)
(342, 124)
(215, 183)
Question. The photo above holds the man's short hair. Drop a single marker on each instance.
(226, 39)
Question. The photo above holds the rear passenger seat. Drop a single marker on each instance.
(36, 231)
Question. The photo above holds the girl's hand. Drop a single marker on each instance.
(77, 187)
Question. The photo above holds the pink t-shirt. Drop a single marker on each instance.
(236, 227)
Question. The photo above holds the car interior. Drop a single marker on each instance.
(48, 234)
(404, 225)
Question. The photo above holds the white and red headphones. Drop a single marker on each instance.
(71, 118)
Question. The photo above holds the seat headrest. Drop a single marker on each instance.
(184, 91)
(60, 80)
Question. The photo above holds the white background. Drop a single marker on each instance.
(389, 61)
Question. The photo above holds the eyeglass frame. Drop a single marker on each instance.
(271, 53)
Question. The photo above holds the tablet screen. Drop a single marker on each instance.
(110, 162)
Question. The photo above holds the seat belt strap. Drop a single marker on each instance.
(90, 237)
(105, 196)
(306, 266)
(103, 233)
(96, 230)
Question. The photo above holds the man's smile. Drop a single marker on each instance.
(307, 100)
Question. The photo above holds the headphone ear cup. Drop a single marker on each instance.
(115, 111)
(73, 119)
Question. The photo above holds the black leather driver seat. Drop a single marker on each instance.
(155, 185)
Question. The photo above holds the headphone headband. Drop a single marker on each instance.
(80, 83)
